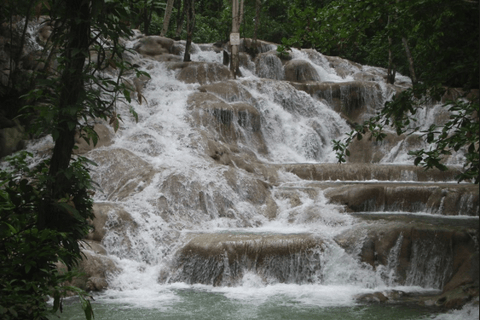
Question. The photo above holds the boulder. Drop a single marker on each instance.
(230, 91)
(343, 67)
(94, 269)
(11, 139)
(120, 173)
(412, 252)
(201, 72)
(152, 46)
(248, 45)
(232, 123)
(300, 71)
(44, 34)
(109, 216)
(268, 65)
(355, 100)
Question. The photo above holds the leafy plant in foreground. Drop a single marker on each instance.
(29, 252)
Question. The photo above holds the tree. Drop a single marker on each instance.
(166, 19)
(258, 6)
(45, 209)
(190, 12)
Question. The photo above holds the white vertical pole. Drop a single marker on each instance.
(234, 64)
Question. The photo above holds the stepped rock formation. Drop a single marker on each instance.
(214, 160)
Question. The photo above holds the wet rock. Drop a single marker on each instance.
(95, 269)
(201, 72)
(356, 100)
(33, 61)
(12, 139)
(222, 259)
(392, 147)
(445, 199)
(343, 67)
(300, 71)
(406, 253)
(261, 46)
(456, 298)
(230, 91)
(366, 171)
(108, 216)
(121, 173)
(232, 123)
(284, 94)
(372, 297)
(44, 33)
(189, 201)
(169, 58)
(94, 246)
(268, 65)
(153, 46)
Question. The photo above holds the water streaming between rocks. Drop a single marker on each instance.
(224, 201)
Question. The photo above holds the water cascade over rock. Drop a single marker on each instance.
(222, 180)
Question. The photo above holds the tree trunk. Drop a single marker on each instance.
(391, 68)
(258, 5)
(71, 90)
(146, 23)
(180, 17)
(69, 104)
(190, 10)
(410, 61)
(166, 19)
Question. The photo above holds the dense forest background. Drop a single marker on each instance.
(443, 35)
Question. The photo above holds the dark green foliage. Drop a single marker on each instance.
(460, 133)
(28, 251)
(442, 34)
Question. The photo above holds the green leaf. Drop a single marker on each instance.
(13, 312)
(134, 113)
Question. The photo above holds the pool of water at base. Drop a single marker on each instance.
(200, 304)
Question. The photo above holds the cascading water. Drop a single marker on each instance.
(201, 224)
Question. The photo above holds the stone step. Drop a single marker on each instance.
(221, 259)
(437, 198)
(399, 251)
(367, 171)
(413, 250)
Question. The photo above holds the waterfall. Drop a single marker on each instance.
(229, 187)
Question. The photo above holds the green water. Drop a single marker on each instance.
(194, 304)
